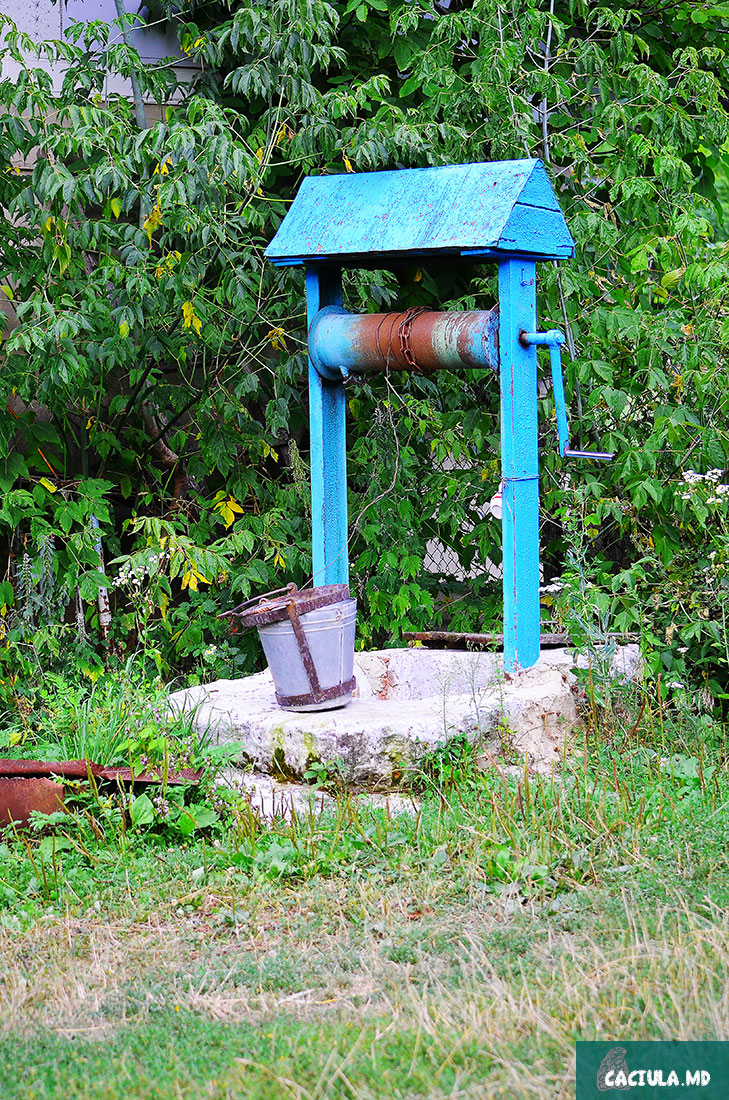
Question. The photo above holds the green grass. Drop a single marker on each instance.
(459, 952)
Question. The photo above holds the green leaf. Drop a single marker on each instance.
(51, 844)
(142, 810)
(672, 278)
(197, 817)
(411, 84)
(91, 583)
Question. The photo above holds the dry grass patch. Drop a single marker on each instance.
(458, 973)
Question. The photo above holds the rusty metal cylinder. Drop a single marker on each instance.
(342, 343)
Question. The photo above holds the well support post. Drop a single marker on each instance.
(519, 464)
(327, 408)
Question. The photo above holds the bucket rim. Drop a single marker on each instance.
(273, 607)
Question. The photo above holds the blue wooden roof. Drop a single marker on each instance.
(468, 210)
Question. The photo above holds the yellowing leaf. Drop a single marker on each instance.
(259, 154)
(167, 266)
(277, 338)
(123, 329)
(348, 164)
(48, 224)
(191, 577)
(116, 207)
(48, 485)
(7, 291)
(228, 509)
(279, 559)
(153, 220)
(417, 276)
(190, 319)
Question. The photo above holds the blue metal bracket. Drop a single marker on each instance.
(554, 339)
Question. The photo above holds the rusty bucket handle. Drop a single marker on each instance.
(288, 589)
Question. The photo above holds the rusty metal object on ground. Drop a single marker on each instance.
(82, 769)
(20, 796)
(451, 639)
(68, 769)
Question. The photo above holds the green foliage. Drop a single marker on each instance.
(170, 357)
(121, 719)
(520, 835)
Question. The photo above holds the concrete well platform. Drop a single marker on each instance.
(407, 702)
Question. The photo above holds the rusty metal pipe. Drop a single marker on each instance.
(342, 343)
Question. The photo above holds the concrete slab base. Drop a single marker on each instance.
(407, 703)
(270, 798)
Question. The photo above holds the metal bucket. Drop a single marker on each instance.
(308, 639)
(330, 636)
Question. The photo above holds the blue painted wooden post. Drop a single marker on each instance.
(327, 408)
(519, 464)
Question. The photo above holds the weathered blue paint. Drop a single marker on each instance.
(462, 209)
(328, 447)
(519, 464)
(341, 343)
(326, 353)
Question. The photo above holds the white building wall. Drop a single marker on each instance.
(42, 19)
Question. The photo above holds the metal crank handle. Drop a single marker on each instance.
(554, 339)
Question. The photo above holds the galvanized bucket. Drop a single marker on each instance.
(308, 639)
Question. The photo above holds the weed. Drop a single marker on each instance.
(448, 767)
(327, 777)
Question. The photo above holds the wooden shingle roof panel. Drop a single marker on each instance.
(460, 209)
